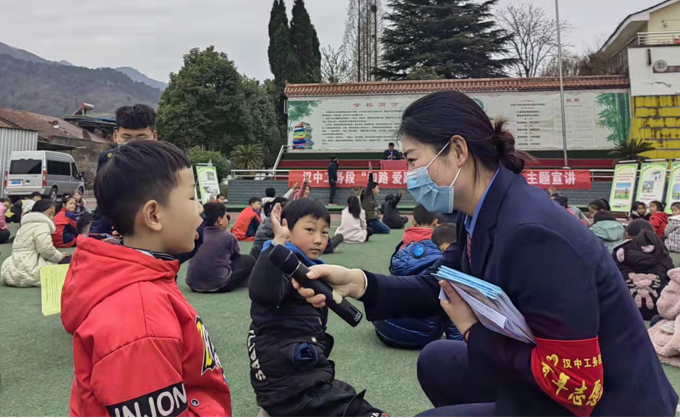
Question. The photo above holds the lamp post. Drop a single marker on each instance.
(560, 64)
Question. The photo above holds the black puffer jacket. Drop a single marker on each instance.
(645, 272)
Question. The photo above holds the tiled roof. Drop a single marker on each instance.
(47, 126)
(471, 85)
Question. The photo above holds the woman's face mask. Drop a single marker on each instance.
(434, 198)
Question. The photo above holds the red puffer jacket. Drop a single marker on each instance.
(659, 221)
(139, 348)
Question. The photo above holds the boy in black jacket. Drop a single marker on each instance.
(288, 344)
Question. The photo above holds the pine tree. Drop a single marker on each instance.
(278, 17)
(306, 45)
(455, 38)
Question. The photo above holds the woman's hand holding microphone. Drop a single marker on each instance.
(346, 282)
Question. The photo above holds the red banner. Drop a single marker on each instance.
(560, 179)
(350, 178)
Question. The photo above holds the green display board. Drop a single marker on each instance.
(673, 194)
(652, 182)
(208, 182)
(621, 197)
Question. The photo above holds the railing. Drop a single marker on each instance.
(658, 38)
(259, 174)
(278, 159)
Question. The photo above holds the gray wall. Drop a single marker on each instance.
(240, 191)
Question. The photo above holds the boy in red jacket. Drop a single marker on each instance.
(659, 218)
(248, 221)
(139, 349)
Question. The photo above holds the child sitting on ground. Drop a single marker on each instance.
(425, 243)
(659, 218)
(27, 203)
(4, 231)
(353, 226)
(639, 211)
(138, 346)
(673, 233)
(81, 205)
(264, 231)
(218, 266)
(248, 221)
(643, 261)
(65, 223)
(369, 203)
(598, 205)
(287, 344)
(391, 216)
(32, 248)
(610, 231)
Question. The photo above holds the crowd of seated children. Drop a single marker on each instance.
(353, 225)
(65, 220)
(421, 247)
(369, 202)
(598, 205)
(673, 232)
(4, 231)
(643, 261)
(639, 211)
(81, 205)
(264, 231)
(610, 231)
(157, 343)
(32, 248)
(665, 328)
(22, 207)
(659, 218)
(564, 202)
(288, 346)
(391, 216)
(248, 221)
(218, 266)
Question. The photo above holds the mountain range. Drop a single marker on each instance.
(30, 82)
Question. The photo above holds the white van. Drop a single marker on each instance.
(50, 173)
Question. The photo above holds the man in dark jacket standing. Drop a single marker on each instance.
(333, 177)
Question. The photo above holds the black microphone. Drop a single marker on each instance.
(286, 261)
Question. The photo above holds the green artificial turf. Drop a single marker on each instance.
(37, 368)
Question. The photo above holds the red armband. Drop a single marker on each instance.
(570, 372)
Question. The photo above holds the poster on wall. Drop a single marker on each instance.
(621, 198)
(673, 194)
(207, 182)
(596, 119)
(652, 182)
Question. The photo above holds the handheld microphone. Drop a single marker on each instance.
(286, 261)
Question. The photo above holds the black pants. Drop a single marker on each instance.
(333, 185)
(397, 223)
(252, 228)
(4, 236)
(369, 232)
(66, 260)
(453, 388)
(241, 267)
(333, 243)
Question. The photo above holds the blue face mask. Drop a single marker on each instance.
(434, 198)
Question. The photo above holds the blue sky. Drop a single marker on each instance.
(153, 35)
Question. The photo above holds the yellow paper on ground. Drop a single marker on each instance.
(52, 280)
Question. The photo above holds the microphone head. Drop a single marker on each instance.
(284, 259)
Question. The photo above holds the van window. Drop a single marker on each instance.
(74, 171)
(25, 167)
(59, 168)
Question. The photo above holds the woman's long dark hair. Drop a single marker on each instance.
(354, 206)
(643, 235)
(42, 205)
(437, 117)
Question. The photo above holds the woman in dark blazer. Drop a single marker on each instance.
(592, 354)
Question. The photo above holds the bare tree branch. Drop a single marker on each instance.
(334, 65)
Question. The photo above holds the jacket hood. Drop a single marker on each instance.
(98, 270)
(416, 234)
(37, 217)
(611, 231)
(662, 215)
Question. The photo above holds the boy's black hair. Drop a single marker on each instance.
(83, 222)
(444, 234)
(300, 208)
(635, 227)
(219, 195)
(659, 205)
(136, 117)
(675, 205)
(42, 205)
(269, 206)
(154, 166)
(391, 144)
(389, 198)
(253, 200)
(270, 192)
(423, 216)
(213, 211)
(560, 200)
(599, 204)
(603, 215)
(35, 194)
